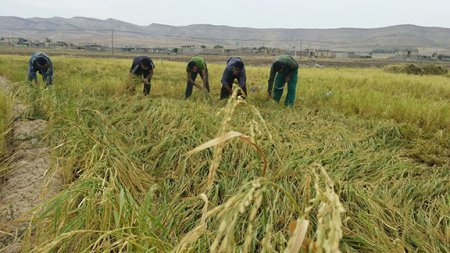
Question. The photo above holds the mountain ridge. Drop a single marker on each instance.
(83, 30)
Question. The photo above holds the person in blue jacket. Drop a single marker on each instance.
(235, 69)
(40, 62)
(143, 66)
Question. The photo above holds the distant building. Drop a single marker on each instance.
(4, 42)
(38, 44)
(362, 55)
(15, 42)
(62, 44)
(323, 53)
(160, 50)
(245, 50)
(290, 52)
(95, 47)
(230, 51)
(407, 54)
(381, 55)
(319, 53)
(343, 54)
(443, 57)
(425, 57)
(212, 51)
(191, 50)
(133, 49)
(267, 51)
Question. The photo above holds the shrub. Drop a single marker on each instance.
(435, 69)
(415, 69)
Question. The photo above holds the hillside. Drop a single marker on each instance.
(81, 29)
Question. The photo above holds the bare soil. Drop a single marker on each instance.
(23, 188)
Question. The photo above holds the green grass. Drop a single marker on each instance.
(129, 185)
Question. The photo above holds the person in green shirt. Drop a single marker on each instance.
(196, 65)
(283, 70)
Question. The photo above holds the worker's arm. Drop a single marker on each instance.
(148, 78)
(225, 77)
(242, 78)
(270, 82)
(191, 81)
(134, 68)
(204, 78)
(49, 78)
(227, 87)
(32, 72)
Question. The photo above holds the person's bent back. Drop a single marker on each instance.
(143, 65)
(195, 66)
(283, 70)
(40, 62)
(235, 69)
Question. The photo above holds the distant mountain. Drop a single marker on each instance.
(90, 30)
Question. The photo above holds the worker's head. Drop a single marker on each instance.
(192, 67)
(278, 66)
(237, 67)
(42, 63)
(146, 63)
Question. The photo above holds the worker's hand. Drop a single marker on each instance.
(146, 81)
(269, 96)
(288, 78)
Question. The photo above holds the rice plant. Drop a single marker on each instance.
(5, 119)
(359, 164)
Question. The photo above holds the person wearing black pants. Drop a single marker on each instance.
(143, 65)
(196, 65)
(235, 69)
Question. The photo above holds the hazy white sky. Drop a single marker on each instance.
(244, 13)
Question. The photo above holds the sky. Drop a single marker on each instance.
(244, 13)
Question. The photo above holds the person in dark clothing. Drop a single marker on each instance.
(143, 65)
(235, 69)
(196, 65)
(40, 62)
(283, 70)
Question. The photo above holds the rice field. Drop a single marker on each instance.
(5, 111)
(359, 164)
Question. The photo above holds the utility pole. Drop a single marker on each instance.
(294, 47)
(301, 42)
(112, 42)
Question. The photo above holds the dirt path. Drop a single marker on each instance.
(22, 188)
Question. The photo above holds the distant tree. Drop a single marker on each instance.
(175, 50)
(218, 46)
(203, 46)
